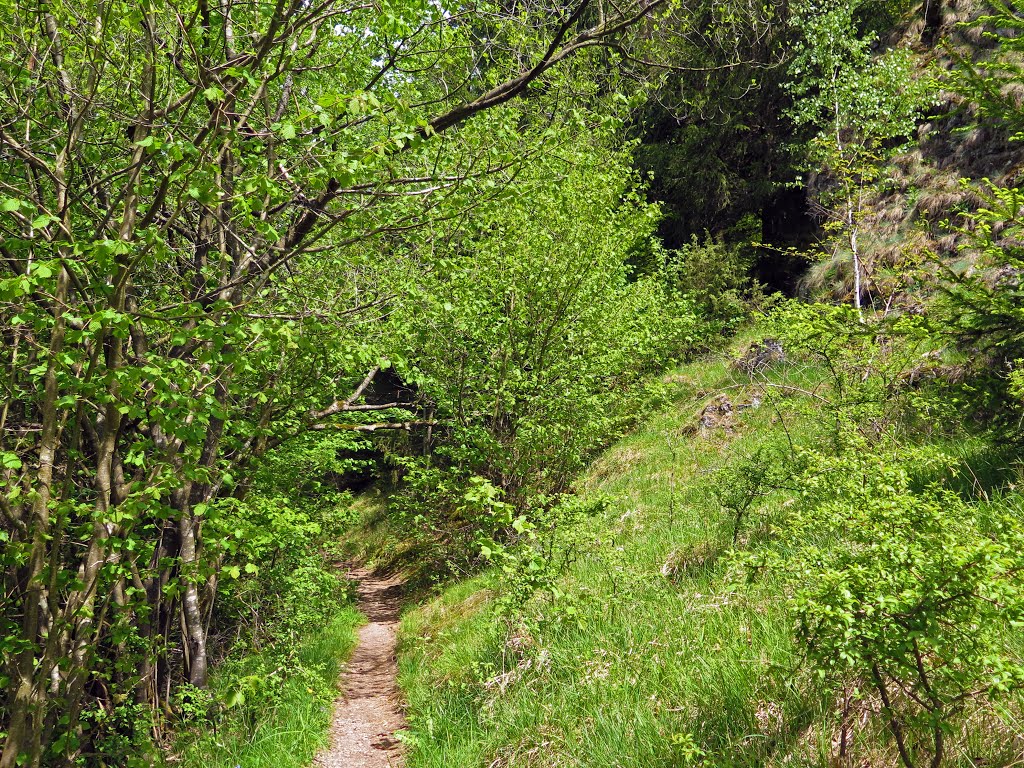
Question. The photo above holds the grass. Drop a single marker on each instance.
(378, 543)
(652, 656)
(285, 718)
(658, 652)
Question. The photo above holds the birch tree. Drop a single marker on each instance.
(858, 102)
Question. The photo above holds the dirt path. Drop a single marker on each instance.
(368, 712)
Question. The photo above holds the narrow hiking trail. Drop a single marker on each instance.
(369, 712)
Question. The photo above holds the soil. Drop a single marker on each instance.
(369, 710)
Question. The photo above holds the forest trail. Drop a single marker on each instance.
(368, 712)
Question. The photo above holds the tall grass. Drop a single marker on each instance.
(659, 650)
(652, 656)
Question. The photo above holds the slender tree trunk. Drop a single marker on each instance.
(193, 614)
(932, 21)
(28, 694)
(850, 218)
(851, 226)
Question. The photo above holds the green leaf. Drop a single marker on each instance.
(10, 461)
(235, 698)
(42, 270)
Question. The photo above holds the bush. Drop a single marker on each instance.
(899, 587)
(535, 341)
(715, 275)
(861, 370)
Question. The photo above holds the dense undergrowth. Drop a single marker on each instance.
(288, 696)
(286, 624)
(689, 617)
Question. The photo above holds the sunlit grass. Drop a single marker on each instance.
(653, 656)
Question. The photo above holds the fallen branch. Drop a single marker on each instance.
(407, 425)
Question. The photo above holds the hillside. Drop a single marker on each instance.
(920, 204)
(652, 645)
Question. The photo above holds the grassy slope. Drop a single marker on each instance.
(657, 654)
(652, 654)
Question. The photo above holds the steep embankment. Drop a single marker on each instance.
(656, 648)
(650, 656)
(920, 204)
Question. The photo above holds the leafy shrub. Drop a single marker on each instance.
(530, 548)
(119, 736)
(747, 481)
(715, 275)
(278, 576)
(858, 369)
(898, 586)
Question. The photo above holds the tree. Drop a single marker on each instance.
(988, 81)
(170, 173)
(531, 330)
(860, 103)
(713, 132)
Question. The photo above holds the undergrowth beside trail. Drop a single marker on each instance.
(281, 702)
(292, 626)
(658, 645)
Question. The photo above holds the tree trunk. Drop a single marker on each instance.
(27, 697)
(193, 613)
(932, 21)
